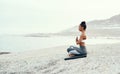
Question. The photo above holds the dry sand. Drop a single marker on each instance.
(101, 59)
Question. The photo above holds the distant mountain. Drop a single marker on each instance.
(113, 20)
(107, 27)
(37, 35)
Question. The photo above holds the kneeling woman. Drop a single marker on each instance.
(75, 51)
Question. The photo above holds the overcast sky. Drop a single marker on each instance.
(41, 16)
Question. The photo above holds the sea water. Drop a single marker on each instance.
(21, 43)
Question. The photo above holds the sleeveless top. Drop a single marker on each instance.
(82, 40)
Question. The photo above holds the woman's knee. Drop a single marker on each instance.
(69, 49)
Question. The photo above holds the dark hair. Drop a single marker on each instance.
(83, 24)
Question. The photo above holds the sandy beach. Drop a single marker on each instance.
(35, 36)
(101, 59)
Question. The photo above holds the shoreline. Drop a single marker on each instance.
(90, 41)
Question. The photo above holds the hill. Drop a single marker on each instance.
(106, 27)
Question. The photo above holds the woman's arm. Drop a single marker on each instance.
(78, 41)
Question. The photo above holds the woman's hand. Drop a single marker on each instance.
(79, 41)
(76, 39)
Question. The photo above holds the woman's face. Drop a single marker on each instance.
(80, 28)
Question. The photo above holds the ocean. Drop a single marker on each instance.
(21, 43)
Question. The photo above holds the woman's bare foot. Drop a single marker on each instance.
(71, 55)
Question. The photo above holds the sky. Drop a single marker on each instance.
(51, 16)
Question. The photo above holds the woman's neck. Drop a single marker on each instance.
(83, 32)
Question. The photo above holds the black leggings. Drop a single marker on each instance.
(81, 50)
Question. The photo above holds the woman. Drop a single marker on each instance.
(75, 51)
